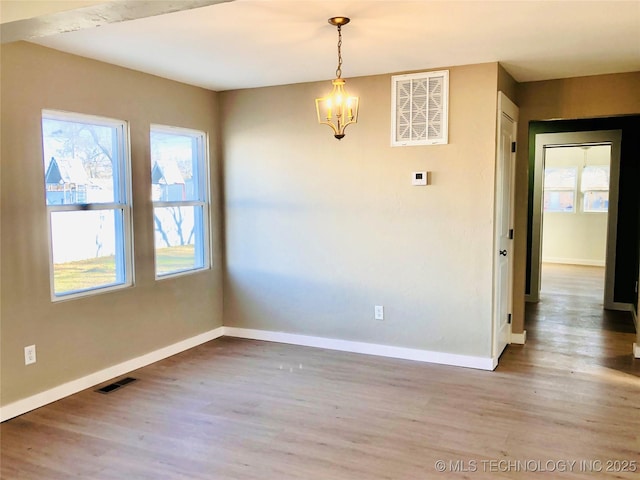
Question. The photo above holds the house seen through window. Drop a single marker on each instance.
(86, 165)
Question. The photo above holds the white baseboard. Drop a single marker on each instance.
(519, 338)
(575, 261)
(40, 399)
(482, 363)
(636, 346)
(620, 307)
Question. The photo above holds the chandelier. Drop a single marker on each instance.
(338, 109)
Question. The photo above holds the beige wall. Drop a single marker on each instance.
(570, 98)
(318, 231)
(574, 238)
(77, 337)
(507, 85)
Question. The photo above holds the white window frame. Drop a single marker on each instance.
(203, 201)
(444, 137)
(124, 235)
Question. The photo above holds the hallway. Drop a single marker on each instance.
(570, 325)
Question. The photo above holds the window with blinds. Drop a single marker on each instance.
(419, 108)
(594, 186)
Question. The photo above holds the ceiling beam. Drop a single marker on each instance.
(41, 20)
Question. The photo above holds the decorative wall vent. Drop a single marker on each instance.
(420, 108)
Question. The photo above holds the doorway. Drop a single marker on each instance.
(570, 188)
(575, 211)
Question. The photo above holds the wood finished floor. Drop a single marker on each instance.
(243, 409)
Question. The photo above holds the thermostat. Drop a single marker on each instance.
(419, 178)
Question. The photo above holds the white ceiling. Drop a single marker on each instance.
(253, 43)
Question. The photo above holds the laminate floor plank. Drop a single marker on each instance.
(235, 409)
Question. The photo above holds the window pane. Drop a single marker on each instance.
(560, 178)
(174, 169)
(178, 239)
(85, 164)
(595, 178)
(79, 161)
(559, 201)
(86, 252)
(596, 201)
(178, 178)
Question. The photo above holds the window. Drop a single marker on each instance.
(419, 108)
(594, 185)
(179, 173)
(87, 192)
(560, 189)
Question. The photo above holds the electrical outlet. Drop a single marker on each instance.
(378, 312)
(29, 354)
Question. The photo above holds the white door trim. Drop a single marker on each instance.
(506, 108)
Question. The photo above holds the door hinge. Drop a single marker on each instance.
(509, 319)
(513, 147)
(511, 234)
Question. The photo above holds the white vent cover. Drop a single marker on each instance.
(420, 108)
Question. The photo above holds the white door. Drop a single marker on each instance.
(504, 209)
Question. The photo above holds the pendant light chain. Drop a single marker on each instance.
(339, 69)
(338, 109)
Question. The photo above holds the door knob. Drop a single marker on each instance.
(503, 253)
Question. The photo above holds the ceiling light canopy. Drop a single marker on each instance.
(338, 109)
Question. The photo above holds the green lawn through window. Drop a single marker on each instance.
(101, 271)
